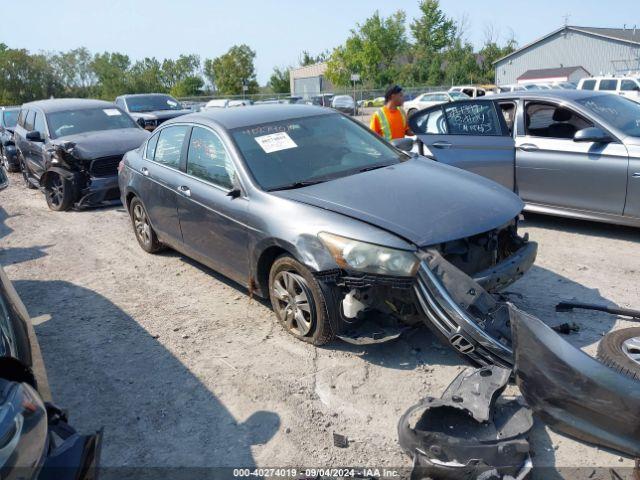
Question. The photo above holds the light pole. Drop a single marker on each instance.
(355, 77)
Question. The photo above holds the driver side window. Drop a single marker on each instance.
(208, 159)
(552, 121)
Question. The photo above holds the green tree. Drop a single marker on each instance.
(74, 71)
(188, 87)
(491, 52)
(279, 80)
(433, 32)
(375, 49)
(176, 71)
(111, 69)
(461, 64)
(25, 77)
(307, 59)
(231, 70)
(145, 76)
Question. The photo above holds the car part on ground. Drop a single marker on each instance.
(470, 431)
(626, 312)
(620, 350)
(572, 392)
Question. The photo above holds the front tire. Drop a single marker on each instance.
(145, 234)
(298, 301)
(25, 173)
(58, 193)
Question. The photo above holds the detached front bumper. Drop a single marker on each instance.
(460, 309)
(100, 191)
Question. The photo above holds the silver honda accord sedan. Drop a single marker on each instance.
(573, 153)
(345, 234)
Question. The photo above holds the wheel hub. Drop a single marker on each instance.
(292, 295)
(631, 348)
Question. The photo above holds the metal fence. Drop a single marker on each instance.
(358, 94)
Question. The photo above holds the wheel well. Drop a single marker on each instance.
(130, 196)
(264, 266)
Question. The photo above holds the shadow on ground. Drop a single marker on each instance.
(107, 370)
(581, 227)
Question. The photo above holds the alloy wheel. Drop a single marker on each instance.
(631, 348)
(292, 302)
(141, 224)
(55, 190)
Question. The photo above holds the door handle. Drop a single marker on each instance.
(528, 147)
(184, 190)
(144, 171)
(636, 175)
(441, 145)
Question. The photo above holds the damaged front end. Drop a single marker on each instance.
(451, 289)
(94, 182)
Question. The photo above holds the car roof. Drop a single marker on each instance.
(230, 118)
(65, 104)
(550, 94)
(129, 95)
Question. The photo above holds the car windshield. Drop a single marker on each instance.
(152, 103)
(73, 122)
(10, 118)
(301, 151)
(458, 95)
(619, 112)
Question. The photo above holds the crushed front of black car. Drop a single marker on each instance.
(94, 181)
(452, 287)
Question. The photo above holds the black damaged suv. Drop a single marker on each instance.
(71, 148)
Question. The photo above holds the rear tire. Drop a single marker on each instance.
(298, 301)
(619, 348)
(144, 232)
(58, 193)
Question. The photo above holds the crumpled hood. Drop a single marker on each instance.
(160, 114)
(104, 143)
(422, 201)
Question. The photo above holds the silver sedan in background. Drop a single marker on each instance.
(572, 153)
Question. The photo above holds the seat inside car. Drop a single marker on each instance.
(560, 128)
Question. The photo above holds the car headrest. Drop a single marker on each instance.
(561, 115)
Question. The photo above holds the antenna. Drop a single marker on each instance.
(566, 17)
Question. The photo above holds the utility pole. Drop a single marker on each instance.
(355, 78)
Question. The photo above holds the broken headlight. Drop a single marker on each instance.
(366, 257)
(23, 427)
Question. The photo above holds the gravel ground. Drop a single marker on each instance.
(183, 369)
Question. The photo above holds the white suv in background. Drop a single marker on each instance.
(626, 86)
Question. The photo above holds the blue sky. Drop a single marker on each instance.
(277, 30)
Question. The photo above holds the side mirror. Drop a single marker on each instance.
(592, 134)
(405, 144)
(35, 136)
(235, 192)
(140, 121)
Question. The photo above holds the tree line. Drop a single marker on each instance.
(26, 76)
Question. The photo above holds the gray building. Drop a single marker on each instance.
(309, 81)
(600, 51)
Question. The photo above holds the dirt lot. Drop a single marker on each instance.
(182, 369)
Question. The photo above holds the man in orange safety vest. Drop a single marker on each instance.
(390, 121)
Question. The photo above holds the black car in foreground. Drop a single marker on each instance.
(151, 109)
(8, 119)
(70, 148)
(36, 442)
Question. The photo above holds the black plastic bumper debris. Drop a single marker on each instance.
(572, 392)
(470, 432)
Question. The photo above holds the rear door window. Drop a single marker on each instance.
(208, 159)
(169, 148)
(459, 118)
(608, 85)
